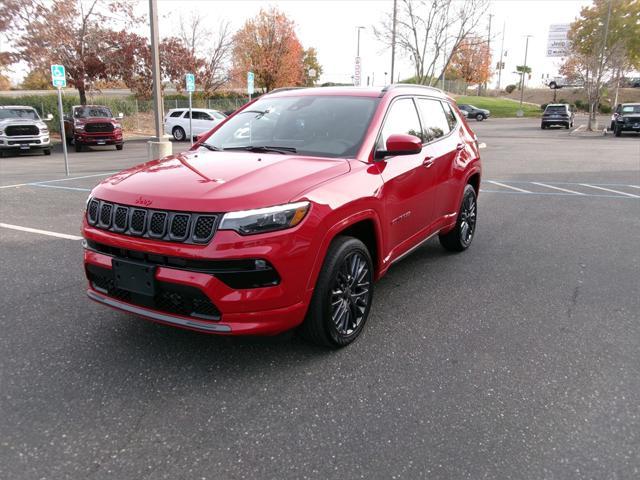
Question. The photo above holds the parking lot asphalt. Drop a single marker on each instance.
(518, 358)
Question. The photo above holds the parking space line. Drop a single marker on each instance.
(634, 186)
(555, 194)
(41, 232)
(557, 188)
(104, 174)
(610, 190)
(508, 186)
(44, 185)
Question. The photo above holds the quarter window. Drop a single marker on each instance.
(434, 120)
(177, 114)
(402, 118)
(448, 112)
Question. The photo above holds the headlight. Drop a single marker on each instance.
(117, 125)
(265, 219)
(44, 130)
(79, 126)
(1, 131)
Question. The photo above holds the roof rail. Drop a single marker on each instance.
(386, 88)
(284, 89)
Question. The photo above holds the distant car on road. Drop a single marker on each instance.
(176, 122)
(470, 111)
(93, 125)
(626, 118)
(561, 82)
(557, 114)
(22, 130)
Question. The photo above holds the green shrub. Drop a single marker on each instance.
(543, 106)
(604, 108)
(509, 88)
(580, 105)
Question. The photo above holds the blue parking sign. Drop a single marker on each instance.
(250, 83)
(58, 76)
(190, 79)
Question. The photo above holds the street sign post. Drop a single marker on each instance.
(558, 44)
(59, 80)
(250, 78)
(190, 80)
(357, 73)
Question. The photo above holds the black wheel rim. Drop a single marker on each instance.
(351, 294)
(468, 219)
(179, 134)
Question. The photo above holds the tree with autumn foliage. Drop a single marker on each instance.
(471, 61)
(70, 33)
(268, 46)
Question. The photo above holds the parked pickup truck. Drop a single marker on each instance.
(91, 125)
(22, 130)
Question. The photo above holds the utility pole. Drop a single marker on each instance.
(393, 38)
(159, 147)
(488, 46)
(504, 27)
(595, 98)
(524, 72)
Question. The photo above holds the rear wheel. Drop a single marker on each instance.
(342, 298)
(178, 134)
(461, 236)
(480, 117)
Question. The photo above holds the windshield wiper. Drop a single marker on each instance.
(264, 149)
(210, 147)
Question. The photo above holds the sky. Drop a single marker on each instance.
(331, 27)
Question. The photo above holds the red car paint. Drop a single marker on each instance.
(401, 200)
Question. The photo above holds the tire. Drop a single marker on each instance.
(617, 131)
(480, 117)
(330, 319)
(461, 236)
(179, 134)
(119, 147)
(69, 139)
(567, 126)
(612, 127)
(78, 147)
(47, 151)
(543, 126)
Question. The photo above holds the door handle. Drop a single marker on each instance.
(428, 162)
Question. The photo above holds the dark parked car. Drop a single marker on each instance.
(557, 114)
(626, 118)
(474, 112)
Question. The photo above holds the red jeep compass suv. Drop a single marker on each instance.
(285, 214)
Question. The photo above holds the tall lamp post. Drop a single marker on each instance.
(524, 72)
(358, 64)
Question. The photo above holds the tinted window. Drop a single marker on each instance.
(434, 121)
(451, 117)
(402, 118)
(177, 114)
(631, 109)
(92, 111)
(556, 109)
(320, 125)
(200, 116)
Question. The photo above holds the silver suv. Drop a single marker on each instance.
(22, 130)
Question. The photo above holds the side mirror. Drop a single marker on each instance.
(49, 117)
(400, 144)
(120, 115)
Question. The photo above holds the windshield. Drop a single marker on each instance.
(85, 112)
(26, 113)
(321, 125)
(631, 109)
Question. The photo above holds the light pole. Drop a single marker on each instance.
(393, 39)
(358, 47)
(358, 63)
(504, 27)
(524, 71)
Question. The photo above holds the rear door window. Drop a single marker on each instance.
(434, 121)
(176, 114)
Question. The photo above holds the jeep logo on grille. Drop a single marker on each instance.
(143, 201)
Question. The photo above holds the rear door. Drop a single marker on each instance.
(441, 149)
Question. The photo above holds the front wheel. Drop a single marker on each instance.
(342, 298)
(461, 236)
(119, 147)
(78, 146)
(178, 134)
(479, 117)
(617, 131)
(47, 151)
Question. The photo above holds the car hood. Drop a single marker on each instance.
(208, 181)
(21, 121)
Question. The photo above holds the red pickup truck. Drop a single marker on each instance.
(89, 125)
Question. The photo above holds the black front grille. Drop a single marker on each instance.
(172, 298)
(157, 224)
(15, 130)
(101, 127)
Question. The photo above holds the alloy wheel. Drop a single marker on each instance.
(350, 294)
(468, 219)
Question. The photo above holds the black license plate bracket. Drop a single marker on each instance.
(134, 277)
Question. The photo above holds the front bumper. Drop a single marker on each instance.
(265, 310)
(106, 138)
(629, 126)
(25, 143)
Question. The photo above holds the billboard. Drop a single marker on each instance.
(558, 44)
